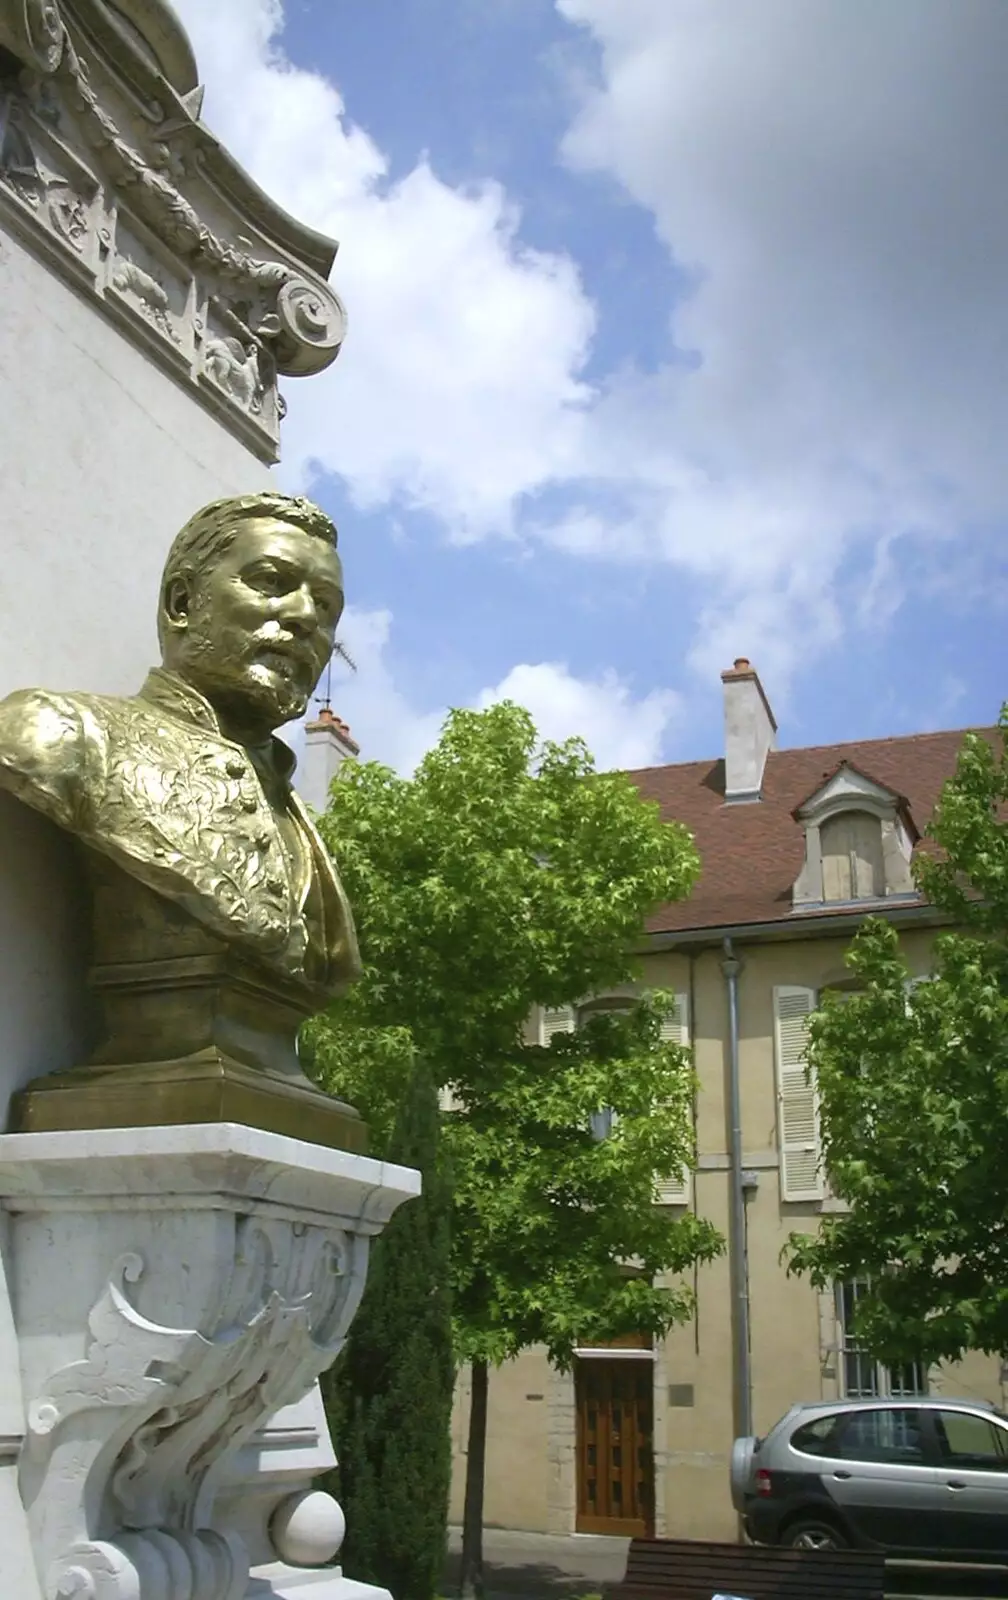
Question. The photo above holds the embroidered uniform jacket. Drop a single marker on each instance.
(150, 782)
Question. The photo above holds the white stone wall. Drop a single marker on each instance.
(104, 457)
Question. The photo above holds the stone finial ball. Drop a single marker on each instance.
(308, 1529)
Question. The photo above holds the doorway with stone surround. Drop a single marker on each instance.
(614, 1391)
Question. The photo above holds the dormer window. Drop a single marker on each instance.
(859, 838)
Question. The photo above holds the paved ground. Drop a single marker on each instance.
(540, 1566)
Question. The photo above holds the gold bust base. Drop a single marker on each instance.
(206, 1087)
(188, 1031)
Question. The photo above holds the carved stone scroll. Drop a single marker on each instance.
(33, 31)
(247, 1255)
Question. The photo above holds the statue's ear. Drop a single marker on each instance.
(176, 602)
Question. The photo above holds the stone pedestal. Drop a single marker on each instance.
(176, 1293)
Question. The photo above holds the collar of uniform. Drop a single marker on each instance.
(172, 694)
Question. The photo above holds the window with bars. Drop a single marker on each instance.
(862, 1377)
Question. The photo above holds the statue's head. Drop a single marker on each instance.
(251, 594)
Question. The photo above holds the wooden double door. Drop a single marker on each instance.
(615, 1446)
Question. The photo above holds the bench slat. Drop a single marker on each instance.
(686, 1569)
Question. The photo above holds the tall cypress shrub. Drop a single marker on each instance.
(389, 1397)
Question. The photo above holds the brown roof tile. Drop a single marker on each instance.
(752, 853)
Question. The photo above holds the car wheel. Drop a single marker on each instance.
(813, 1533)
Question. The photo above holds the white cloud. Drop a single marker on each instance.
(619, 729)
(834, 181)
(458, 389)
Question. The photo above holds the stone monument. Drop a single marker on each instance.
(184, 1219)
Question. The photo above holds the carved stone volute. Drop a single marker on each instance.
(175, 1288)
(32, 30)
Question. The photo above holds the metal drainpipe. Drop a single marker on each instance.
(730, 966)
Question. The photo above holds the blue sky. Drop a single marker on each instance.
(678, 331)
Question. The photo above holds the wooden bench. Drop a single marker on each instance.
(693, 1569)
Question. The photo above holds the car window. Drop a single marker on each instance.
(884, 1435)
(966, 1440)
(817, 1438)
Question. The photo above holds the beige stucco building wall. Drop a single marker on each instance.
(793, 1329)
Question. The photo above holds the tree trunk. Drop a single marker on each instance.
(472, 1516)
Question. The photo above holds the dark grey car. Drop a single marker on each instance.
(916, 1477)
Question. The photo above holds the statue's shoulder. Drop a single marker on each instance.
(38, 721)
(46, 721)
(52, 748)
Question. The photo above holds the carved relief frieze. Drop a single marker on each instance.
(69, 213)
(19, 168)
(147, 292)
(131, 179)
(39, 93)
(234, 366)
(152, 284)
(43, 175)
(239, 361)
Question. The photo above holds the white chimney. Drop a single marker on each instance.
(750, 731)
(327, 745)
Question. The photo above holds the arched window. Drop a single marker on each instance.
(852, 865)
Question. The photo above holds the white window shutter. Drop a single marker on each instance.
(797, 1099)
(676, 1029)
(675, 1026)
(558, 1019)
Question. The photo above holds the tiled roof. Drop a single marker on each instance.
(752, 853)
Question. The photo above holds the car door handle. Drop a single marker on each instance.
(840, 1473)
(955, 1483)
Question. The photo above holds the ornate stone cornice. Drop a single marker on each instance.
(107, 170)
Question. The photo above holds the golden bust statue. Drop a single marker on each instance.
(219, 918)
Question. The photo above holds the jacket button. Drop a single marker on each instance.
(234, 767)
(248, 802)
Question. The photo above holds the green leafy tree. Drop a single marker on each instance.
(913, 1083)
(390, 1395)
(505, 875)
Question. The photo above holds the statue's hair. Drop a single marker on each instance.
(208, 534)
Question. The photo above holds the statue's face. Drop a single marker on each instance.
(256, 630)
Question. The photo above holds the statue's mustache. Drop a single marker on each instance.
(275, 639)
